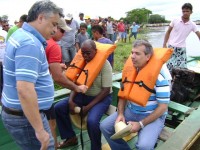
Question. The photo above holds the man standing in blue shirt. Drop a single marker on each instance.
(134, 31)
(28, 87)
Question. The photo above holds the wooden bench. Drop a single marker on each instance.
(184, 136)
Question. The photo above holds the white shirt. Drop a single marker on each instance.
(3, 35)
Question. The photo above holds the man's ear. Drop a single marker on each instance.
(40, 18)
(148, 56)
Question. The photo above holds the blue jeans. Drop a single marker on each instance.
(133, 34)
(23, 133)
(93, 118)
(68, 53)
(147, 137)
(111, 37)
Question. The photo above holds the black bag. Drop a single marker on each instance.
(185, 85)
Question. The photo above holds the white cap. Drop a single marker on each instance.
(69, 17)
(62, 24)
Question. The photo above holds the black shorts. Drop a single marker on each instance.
(50, 113)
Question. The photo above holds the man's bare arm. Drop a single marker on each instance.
(166, 38)
(58, 76)
(28, 99)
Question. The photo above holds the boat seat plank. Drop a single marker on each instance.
(183, 135)
(180, 108)
(116, 77)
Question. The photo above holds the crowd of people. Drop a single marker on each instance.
(35, 52)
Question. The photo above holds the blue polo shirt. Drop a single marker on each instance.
(25, 60)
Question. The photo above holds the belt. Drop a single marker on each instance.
(14, 112)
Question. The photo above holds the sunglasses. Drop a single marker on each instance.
(5, 25)
(85, 53)
(62, 31)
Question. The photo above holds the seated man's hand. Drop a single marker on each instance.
(85, 110)
(72, 105)
(135, 126)
(120, 118)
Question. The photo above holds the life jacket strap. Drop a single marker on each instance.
(85, 71)
(140, 83)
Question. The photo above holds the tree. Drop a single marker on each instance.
(139, 15)
(155, 18)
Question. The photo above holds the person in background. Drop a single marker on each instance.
(176, 35)
(68, 40)
(89, 26)
(134, 31)
(22, 19)
(96, 102)
(82, 36)
(5, 25)
(97, 32)
(110, 32)
(3, 35)
(54, 58)
(28, 88)
(81, 18)
(121, 30)
(16, 22)
(148, 121)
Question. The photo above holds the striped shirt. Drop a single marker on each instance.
(104, 79)
(25, 60)
(162, 95)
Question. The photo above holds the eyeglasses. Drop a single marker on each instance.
(62, 31)
(85, 53)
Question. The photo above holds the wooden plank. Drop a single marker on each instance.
(116, 77)
(62, 92)
(184, 133)
(180, 108)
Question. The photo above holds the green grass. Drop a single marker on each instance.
(123, 51)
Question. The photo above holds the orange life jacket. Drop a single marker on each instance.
(85, 73)
(138, 86)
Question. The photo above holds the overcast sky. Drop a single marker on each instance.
(104, 8)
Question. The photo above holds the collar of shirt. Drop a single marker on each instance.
(37, 34)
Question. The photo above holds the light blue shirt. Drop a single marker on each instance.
(69, 37)
(135, 28)
(25, 60)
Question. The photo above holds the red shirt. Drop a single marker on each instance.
(121, 27)
(53, 52)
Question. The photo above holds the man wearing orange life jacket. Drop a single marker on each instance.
(148, 121)
(94, 102)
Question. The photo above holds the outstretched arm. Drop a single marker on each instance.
(58, 76)
(167, 36)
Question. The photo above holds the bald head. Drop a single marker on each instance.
(88, 50)
(89, 44)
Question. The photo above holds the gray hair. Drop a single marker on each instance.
(90, 44)
(148, 46)
(43, 7)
